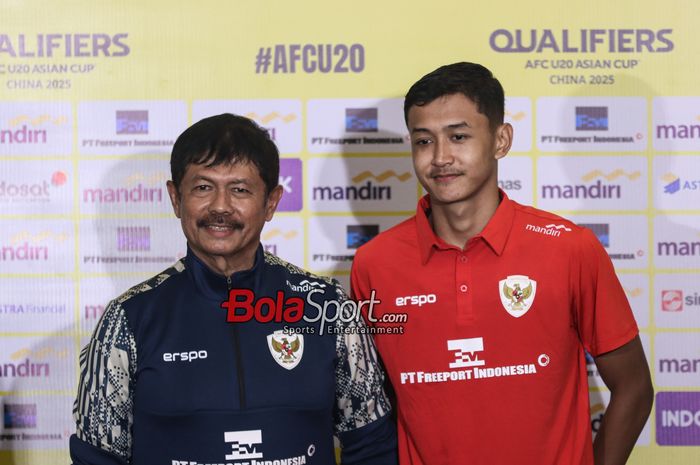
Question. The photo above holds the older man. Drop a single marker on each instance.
(171, 377)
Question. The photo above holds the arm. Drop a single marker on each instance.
(103, 407)
(626, 373)
(362, 416)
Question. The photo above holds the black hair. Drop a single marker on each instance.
(223, 139)
(470, 79)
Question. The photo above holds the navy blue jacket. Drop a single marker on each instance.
(167, 380)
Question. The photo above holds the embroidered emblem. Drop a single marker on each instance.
(517, 294)
(286, 349)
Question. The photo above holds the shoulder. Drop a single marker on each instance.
(534, 224)
(150, 286)
(300, 280)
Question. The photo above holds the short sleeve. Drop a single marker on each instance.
(103, 409)
(603, 315)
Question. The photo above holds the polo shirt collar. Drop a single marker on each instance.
(495, 234)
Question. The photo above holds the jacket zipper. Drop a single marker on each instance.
(239, 360)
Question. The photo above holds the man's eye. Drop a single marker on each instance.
(239, 190)
(460, 137)
(202, 188)
(421, 141)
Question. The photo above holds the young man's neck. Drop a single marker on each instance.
(456, 223)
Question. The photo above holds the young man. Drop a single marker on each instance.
(501, 301)
(167, 379)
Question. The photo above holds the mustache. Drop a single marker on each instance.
(219, 220)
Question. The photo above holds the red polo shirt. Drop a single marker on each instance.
(490, 368)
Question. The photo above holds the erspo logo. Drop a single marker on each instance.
(678, 418)
(581, 41)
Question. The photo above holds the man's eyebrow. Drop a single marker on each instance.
(461, 124)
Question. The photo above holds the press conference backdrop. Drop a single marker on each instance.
(604, 99)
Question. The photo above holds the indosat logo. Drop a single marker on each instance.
(581, 41)
(674, 184)
(27, 130)
(590, 190)
(137, 189)
(367, 191)
(33, 192)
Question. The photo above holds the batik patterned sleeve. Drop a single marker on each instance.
(103, 407)
(366, 430)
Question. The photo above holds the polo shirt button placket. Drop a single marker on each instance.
(463, 299)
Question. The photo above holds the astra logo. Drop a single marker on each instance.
(368, 191)
(138, 194)
(361, 120)
(675, 184)
(132, 122)
(466, 352)
(601, 230)
(133, 238)
(678, 131)
(244, 444)
(591, 118)
(359, 234)
(19, 416)
(32, 192)
(597, 190)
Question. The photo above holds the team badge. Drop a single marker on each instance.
(286, 349)
(517, 294)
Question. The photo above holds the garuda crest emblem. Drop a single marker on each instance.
(286, 349)
(517, 294)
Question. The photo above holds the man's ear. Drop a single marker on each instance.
(503, 139)
(273, 199)
(174, 197)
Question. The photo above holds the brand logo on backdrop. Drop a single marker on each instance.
(27, 246)
(591, 118)
(675, 300)
(286, 349)
(601, 230)
(32, 309)
(510, 184)
(17, 416)
(675, 184)
(517, 294)
(133, 238)
(678, 418)
(26, 368)
(678, 248)
(93, 312)
(272, 238)
(31, 192)
(595, 190)
(132, 122)
(272, 117)
(140, 193)
(359, 234)
(367, 191)
(678, 131)
(22, 129)
(361, 120)
(290, 180)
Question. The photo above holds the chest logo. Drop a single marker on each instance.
(286, 349)
(517, 294)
